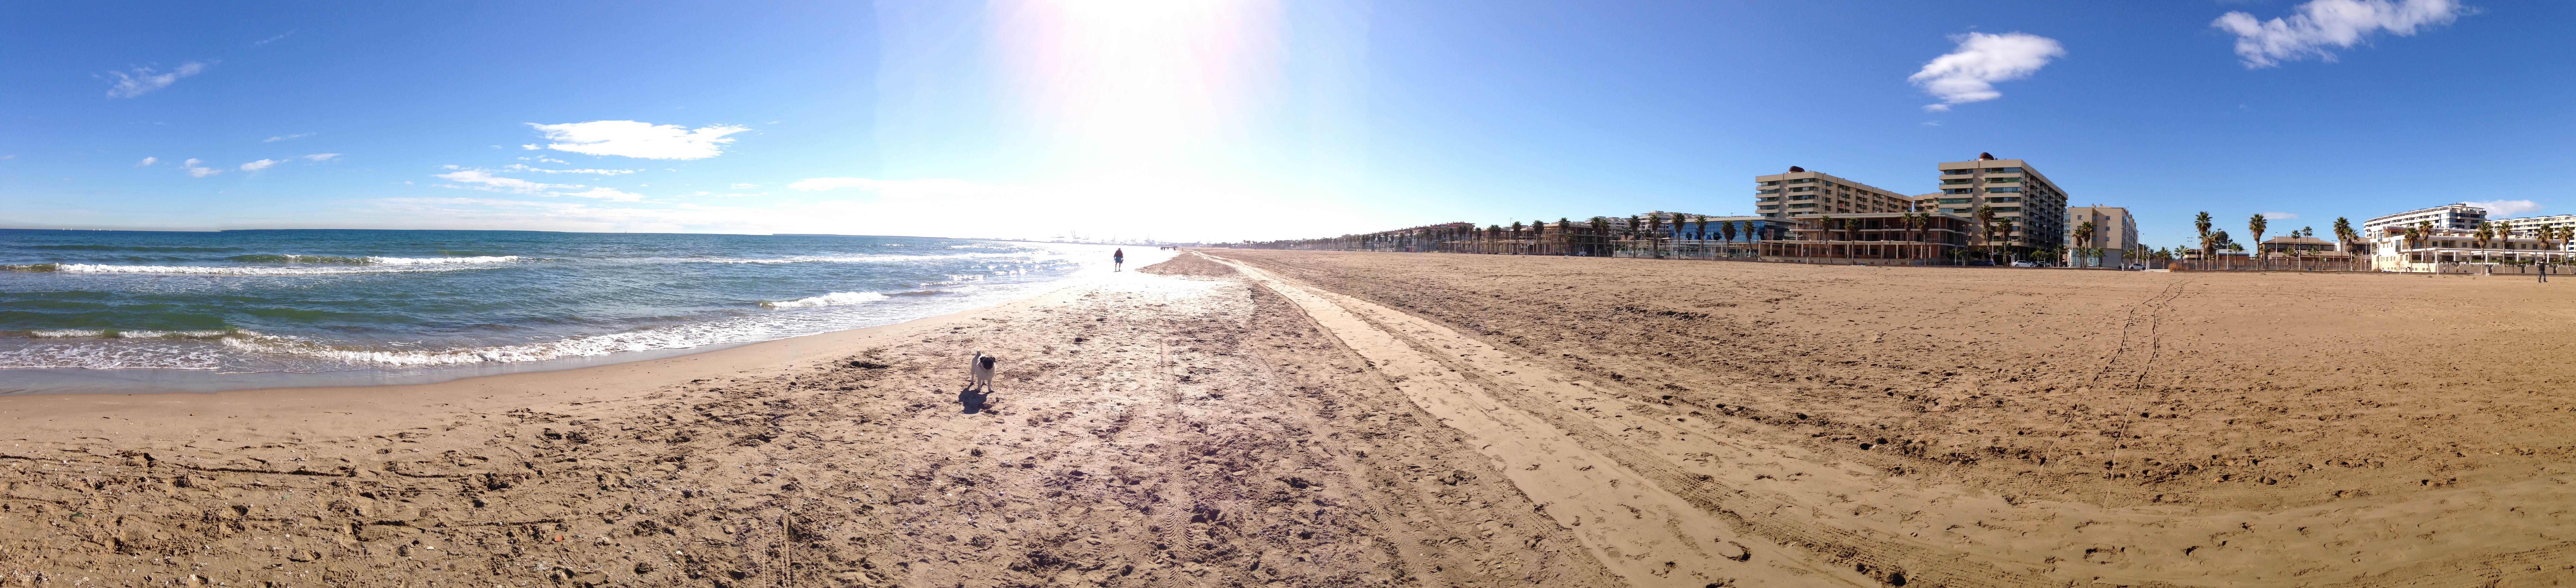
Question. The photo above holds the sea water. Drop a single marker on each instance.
(163, 311)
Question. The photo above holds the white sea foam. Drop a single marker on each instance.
(439, 260)
(869, 258)
(832, 299)
(52, 333)
(375, 265)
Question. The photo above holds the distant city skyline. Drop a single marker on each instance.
(1223, 121)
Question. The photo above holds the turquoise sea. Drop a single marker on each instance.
(188, 311)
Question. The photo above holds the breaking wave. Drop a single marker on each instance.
(832, 299)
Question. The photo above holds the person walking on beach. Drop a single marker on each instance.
(1118, 259)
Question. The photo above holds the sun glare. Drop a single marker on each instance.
(1133, 87)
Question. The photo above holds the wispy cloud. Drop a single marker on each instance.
(287, 137)
(608, 194)
(144, 79)
(603, 172)
(258, 165)
(147, 161)
(197, 171)
(742, 186)
(490, 182)
(626, 138)
(1969, 73)
(2507, 207)
(319, 156)
(271, 39)
(2280, 215)
(2339, 24)
(728, 195)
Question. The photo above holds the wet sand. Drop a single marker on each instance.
(1334, 419)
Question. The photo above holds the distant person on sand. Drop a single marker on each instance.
(1118, 259)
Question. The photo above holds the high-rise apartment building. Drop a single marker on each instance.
(2114, 232)
(2017, 192)
(2458, 216)
(1801, 193)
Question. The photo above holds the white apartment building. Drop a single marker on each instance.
(2460, 216)
(2528, 227)
(1801, 193)
(2391, 250)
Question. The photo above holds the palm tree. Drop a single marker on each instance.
(1985, 216)
(2257, 224)
(1702, 233)
(2083, 235)
(2344, 237)
(2202, 223)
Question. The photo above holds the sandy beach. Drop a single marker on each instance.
(1346, 419)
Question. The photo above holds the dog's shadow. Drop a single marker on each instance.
(973, 399)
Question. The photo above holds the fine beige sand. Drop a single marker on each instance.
(1341, 419)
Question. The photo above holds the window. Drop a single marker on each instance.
(2003, 170)
(1958, 181)
(2008, 190)
(1803, 205)
(1767, 199)
(1803, 197)
(1831, 183)
(1771, 183)
(1803, 181)
(1955, 210)
(1770, 191)
(1956, 200)
(1956, 190)
(2003, 180)
(1953, 172)
(2004, 199)
(2007, 209)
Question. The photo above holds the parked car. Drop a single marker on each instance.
(2025, 264)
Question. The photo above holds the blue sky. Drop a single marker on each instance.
(1233, 120)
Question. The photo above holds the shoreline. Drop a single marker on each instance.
(91, 381)
(518, 387)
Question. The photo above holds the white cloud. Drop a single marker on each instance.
(258, 165)
(319, 156)
(270, 39)
(147, 161)
(2280, 215)
(727, 195)
(741, 186)
(2320, 24)
(1969, 73)
(195, 171)
(603, 172)
(287, 137)
(144, 79)
(2507, 207)
(608, 194)
(530, 146)
(494, 183)
(626, 138)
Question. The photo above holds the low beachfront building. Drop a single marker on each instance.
(2288, 246)
(1802, 193)
(1877, 238)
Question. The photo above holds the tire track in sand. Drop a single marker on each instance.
(1627, 519)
